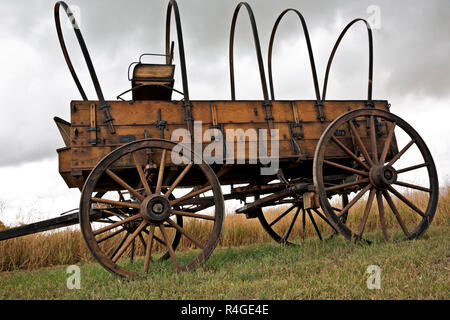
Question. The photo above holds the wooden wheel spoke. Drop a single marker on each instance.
(292, 224)
(373, 140)
(314, 223)
(141, 175)
(396, 213)
(162, 165)
(185, 233)
(133, 248)
(111, 235)
(124, 185)
(350, 153)
(117, 203)
(281, 216)
(193, 215)
(115, 225)
(168, 245)
(406, 201)
(148, 248)
(303, 223)
(190, 195)
(412, 186)
(360, 143)
(346, 185)
(412, 168)
(398, 155)
(141, 238)
(343, 218)
(129, 241)
(366, 212)
(382, 217)
(354, 200)
(178, 180)
(159, 240)
(387, 144)
(120, 215)
(323, 218)
(345, 168)
(119, 245)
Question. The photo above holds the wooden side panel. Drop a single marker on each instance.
(65, 169)
(297, 123)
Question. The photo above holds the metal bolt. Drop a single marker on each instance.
(158, 207)
(388, 174)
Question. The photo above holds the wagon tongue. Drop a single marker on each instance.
(46, 225)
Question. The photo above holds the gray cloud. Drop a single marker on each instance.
(411, 56)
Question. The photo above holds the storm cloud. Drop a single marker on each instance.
(412, 50)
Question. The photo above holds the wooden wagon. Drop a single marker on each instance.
(143, 184)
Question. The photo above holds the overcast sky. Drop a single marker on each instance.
(411, 70)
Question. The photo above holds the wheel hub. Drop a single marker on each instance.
(155, 209)
(382, 176)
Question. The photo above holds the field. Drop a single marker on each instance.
(247, 264)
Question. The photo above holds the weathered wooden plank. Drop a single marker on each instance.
(133, 120)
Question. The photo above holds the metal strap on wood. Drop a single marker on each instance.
(333, 52)
(103, 105)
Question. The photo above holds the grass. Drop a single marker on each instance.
(247, 264)
(334, 269)
(67, 246)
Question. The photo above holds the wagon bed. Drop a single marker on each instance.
(297, 122)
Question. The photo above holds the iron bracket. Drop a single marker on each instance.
(161, 124)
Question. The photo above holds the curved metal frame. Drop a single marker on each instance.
(83, 49)
(330, 60)
(173, 4)
(257, 47)
(310, 52)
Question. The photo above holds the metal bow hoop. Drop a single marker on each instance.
(103, 105)
(83, 49)
(310, 52)
(330, 60)
(258, 52)
(173, 4)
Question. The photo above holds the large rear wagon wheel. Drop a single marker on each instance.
(151, 212)
(393, 189)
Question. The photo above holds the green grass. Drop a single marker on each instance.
(334, 269)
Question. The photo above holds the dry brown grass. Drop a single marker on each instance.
(68, 247)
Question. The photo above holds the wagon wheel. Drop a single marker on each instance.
(150, 216)
(290, 223)
(401, 184)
